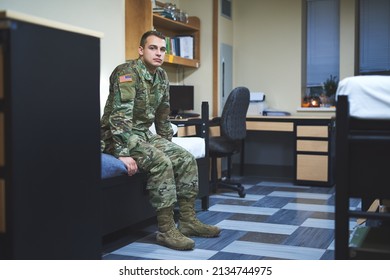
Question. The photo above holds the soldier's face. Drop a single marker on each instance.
(153, 53)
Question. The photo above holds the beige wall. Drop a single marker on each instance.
(347, 38)
(226, 30)
(266, 37)
(106, 16)
(267, 50)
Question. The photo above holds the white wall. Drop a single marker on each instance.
(105, 16)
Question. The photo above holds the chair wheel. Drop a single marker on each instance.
(241, 192)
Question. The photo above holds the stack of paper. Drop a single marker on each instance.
(186, 46)
(274, 112)
(257, 96)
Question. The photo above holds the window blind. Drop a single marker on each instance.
(323, 42)
(374, 36)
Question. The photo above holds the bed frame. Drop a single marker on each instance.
(124, 200)
(362, 161)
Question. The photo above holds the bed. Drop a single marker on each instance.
(124, 200)
(362, 161)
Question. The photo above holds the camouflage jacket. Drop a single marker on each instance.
(136, 100)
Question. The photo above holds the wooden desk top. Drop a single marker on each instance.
(288, 118)
(269, 123)
(282, 123)
(267, 118)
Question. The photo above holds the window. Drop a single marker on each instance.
(374, 37)
(226, 9)
(323, 44)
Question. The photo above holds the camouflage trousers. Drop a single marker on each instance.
(172, 171)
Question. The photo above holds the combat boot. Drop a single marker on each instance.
(168, 235)
(189, 225)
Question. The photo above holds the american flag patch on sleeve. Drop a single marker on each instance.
(125, 78)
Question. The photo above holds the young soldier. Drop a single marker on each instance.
(139, 96)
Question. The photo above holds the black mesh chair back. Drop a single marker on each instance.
(233, 119)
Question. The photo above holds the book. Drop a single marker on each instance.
(186, 46)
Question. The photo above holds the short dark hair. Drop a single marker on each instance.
(150, 33)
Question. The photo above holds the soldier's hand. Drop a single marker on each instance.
(130, 164)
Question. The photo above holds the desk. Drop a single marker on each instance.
(313, 144)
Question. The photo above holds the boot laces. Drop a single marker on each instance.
(175, 233)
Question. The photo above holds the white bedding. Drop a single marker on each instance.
(195, 145)
(369, 96)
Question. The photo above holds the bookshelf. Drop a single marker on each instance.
(141, 19)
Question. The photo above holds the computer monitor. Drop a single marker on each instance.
(181, 98)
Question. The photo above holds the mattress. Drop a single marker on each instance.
(368, 96)
(195, 145)
(112, 167)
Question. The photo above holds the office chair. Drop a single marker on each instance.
(232, 125)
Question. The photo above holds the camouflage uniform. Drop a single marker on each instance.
(137, 99)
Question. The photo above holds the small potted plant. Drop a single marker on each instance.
(330, 88)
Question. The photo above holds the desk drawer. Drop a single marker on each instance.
(270, 126)
(312, 146)
(320, 131)
(312, 168)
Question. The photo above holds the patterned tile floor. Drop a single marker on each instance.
(276, 220)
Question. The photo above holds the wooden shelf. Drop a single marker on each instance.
(174, 28)
(172, 59)
(169, 24)
(141, 19)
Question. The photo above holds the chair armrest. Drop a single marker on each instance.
(215, 121)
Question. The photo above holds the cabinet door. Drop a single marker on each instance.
(312, 167)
